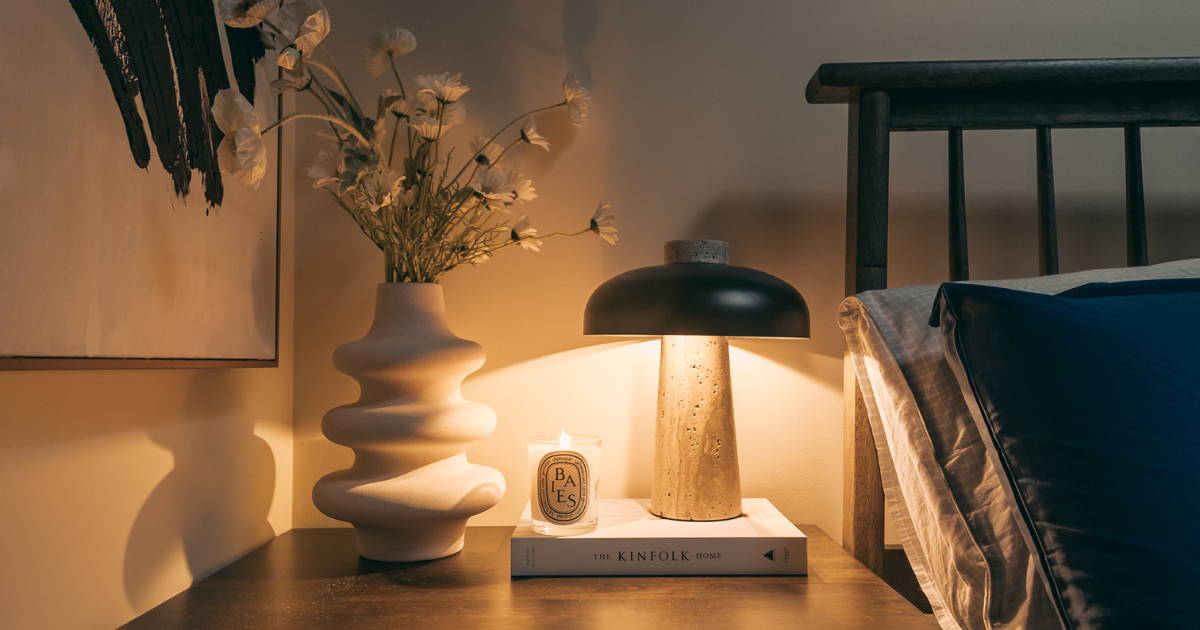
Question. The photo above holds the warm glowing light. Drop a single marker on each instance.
(564, 440)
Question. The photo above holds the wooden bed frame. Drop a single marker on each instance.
(955, 96)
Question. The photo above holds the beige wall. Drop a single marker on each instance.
(700, 130)
(120, 488)
(123, 487)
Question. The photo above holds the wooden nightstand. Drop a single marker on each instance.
(313, 578)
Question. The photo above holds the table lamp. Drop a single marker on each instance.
(694, 302)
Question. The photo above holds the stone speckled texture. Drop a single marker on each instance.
(696, 251)
(695, 451)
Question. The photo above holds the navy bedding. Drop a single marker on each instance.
(1089, 402)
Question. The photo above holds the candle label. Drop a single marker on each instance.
(562, 480)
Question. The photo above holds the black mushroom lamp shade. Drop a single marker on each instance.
(694, 302)
(696, 293)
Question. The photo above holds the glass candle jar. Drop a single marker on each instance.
(565, 472)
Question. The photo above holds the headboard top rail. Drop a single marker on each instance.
(842, 82)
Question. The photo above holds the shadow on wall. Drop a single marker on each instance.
(196, 501)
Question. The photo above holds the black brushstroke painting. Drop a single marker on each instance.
(169, 53)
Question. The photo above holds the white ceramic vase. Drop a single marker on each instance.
(411, 489)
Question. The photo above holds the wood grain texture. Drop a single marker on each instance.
(866, 269)
(696, 474)
(862, 495)
(313, 578)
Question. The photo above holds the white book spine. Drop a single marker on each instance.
(660, 556)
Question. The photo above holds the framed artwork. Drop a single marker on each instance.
(120, 245)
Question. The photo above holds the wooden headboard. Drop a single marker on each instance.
(955, 96)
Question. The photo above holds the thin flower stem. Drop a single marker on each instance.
(395, 134)
(329, 119)
(497, 135)
(346, 86)
(505, 150)
(407, 132)
(559, 234)
(475, 169)
(330, 107)
(442, 181)
(322, 94)
(437, 136)
(332, 72)
(396, 73)
(538, 237)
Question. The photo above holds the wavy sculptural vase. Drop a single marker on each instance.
(411, 489)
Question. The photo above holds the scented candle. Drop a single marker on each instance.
(565, 474)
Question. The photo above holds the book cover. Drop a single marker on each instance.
(631, 541)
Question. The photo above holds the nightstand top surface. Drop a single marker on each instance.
(313, 578)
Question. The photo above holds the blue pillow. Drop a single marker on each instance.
(1090, 403)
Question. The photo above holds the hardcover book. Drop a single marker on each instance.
(629, 540)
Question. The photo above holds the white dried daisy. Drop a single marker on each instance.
(425, 122)
(427, 127)
(525, 235)
(496, 187)
(445, 87)
(530, 134)
(485, 151)
(523, 190)
(387, 45)
(500, 188)
(604, 224)
(578, 100)
(452, 113)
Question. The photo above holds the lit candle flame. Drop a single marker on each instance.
(564, 440)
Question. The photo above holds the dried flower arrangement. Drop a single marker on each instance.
(389, 168)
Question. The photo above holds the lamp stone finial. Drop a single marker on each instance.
(705, 251)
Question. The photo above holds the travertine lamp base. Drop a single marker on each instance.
(695, 451)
